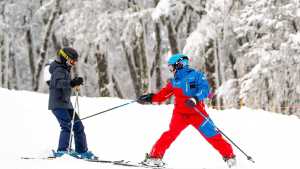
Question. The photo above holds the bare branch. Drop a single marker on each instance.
(199, 12)
(180, 19)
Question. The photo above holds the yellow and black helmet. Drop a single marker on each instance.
(67, 53)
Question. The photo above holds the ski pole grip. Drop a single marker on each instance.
(77, 88)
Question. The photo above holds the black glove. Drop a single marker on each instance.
(76, 81)
(147, 98)
(191, 102)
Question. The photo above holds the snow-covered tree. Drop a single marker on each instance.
(249, 49)
(259, 44)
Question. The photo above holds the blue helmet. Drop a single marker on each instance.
(178, 61)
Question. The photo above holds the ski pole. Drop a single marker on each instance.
(73, 119)
(220, 131)
(105, 111)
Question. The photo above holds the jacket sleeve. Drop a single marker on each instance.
(60, 81)
(163, 94)
(202, 86)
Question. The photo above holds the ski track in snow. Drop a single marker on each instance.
(127, 133)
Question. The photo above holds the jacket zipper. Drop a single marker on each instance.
(186, 86)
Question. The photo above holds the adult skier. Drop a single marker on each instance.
(60, 89)
(190, 88)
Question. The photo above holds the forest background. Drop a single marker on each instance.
(249, 49)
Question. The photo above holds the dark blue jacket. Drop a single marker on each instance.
(60, 89)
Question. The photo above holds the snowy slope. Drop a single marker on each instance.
(28, 128)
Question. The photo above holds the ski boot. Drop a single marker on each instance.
(153, 162)
(231, 161)
(57, 154)
(61, 153)
(73, 153)
(88, 155)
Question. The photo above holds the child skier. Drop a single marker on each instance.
(190, 88)
(60, 88)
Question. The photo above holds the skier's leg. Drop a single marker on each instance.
(176, 125)
(221, 145)
(207, 130)
(79, 135)
(64, 119)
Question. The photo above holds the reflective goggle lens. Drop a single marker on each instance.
(171, 68)
(72, 62)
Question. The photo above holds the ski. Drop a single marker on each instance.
(113, 162)
(128, 164)
(117, 162)
(38, 158)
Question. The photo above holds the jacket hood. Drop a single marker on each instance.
(55, 65)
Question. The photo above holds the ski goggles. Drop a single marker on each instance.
(72, 62)
(171, 68)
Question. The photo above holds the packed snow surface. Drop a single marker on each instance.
(29, 129)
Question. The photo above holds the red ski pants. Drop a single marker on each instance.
(178, 123)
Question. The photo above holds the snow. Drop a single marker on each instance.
(29, 129)
(227, 88)
(162, 9)
(298, 12)
(196, 39)
(295, 38)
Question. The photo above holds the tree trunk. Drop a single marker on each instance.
(2, 60)
(4, 63)
(30, 54)
(103, 78)
(13, 78)
(155, 2)
(132, 69)
(56, 44)
(218, 72)
(157, 59)
(232, 60)
(172, 37)
(117, 88)
(210, 68)
(189, 26)
(144, 62)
